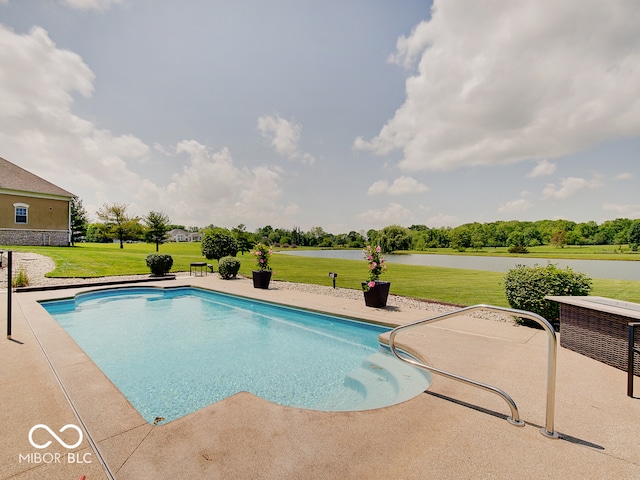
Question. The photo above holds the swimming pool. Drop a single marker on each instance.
(172, 351)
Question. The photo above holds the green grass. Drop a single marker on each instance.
(449, 285)
(106, 259)
(576, 252)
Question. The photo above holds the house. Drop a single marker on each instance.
(179, 235)
(33, 211)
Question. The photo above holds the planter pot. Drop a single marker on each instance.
(377, 295)
(261, 278)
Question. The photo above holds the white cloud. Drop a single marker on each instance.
(442, 220)
(41, 78)
(408, 49)
(544, 167)
(625, 176)
(569, 187)
(100, 5)
(284, 137)
(400, 186)
(39, 132)
(626, 211)
(292, 210)
(38, 129)
(515, 206)
(508, 81)
(394, 213)
(210, 186)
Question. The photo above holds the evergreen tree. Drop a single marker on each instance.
(157, 225)
(79, 220)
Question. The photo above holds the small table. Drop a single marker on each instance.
(193, 268)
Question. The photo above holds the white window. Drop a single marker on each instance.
(22, 210)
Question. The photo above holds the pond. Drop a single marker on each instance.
(614, 269)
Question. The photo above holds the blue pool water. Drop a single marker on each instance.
(174, 351)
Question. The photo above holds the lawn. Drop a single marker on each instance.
(106, 259)
(576, 252)
(449, 285)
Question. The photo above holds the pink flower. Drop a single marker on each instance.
(262, 260)
(371, 284)
(378, 249)
(374, 264)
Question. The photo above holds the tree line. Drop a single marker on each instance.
(116, 224)
(530, 234)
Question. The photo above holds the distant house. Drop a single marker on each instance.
(179, 235)
(33, 211)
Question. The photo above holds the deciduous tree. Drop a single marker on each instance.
(114, 215)
(218, 243)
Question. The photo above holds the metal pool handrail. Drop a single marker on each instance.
(548, 429)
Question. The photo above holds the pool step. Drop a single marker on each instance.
(380, 381)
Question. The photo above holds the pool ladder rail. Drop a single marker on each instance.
(514, 419)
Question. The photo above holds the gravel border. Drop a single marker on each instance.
(37, 266)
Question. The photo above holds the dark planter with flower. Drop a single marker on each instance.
(377, 295)
(262, 276)
(375, 291)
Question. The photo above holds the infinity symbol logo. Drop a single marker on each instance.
(45, 445)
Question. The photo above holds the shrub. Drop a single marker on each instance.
(20, 280)
(518, 249)
(228, 267)
(526, 287)
(159, 264)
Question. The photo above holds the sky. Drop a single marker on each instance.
(340, 114)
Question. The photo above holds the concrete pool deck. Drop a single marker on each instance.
(452, 431)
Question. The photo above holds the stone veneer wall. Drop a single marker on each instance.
(57, 238)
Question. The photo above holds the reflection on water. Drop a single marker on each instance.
(619, 270)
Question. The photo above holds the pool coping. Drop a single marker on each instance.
(224, 438)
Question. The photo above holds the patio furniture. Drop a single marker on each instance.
(196, 267)
(598, 328)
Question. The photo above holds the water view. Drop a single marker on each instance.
(614, 269)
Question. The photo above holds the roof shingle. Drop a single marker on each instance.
(13, 177)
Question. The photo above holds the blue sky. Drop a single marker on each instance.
(347, 115)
